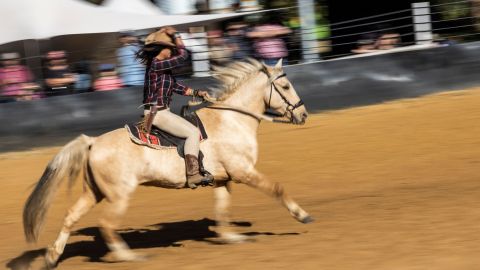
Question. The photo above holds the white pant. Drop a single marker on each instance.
(178, 126)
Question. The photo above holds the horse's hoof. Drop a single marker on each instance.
(125, 256)
(234, 238)
(51, 257)
(307, 219)
(50, 265)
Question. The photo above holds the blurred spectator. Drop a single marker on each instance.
(84, 76)
(108, 79)
(268, 43)
(443, 41)
(219, 53)
(366, 44)
(16, 80)
(237, 41)
(388, 40)
(58, 77)
(130, 70)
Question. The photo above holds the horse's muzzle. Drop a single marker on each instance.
(300, 119)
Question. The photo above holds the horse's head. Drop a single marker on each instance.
(280, 95)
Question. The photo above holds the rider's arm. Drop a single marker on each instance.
(173, 62)
(182, 89)
(187, 91)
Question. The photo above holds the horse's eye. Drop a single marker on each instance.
(286, 86)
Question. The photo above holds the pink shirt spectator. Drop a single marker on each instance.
(108, 83)
(271, 47)
(12, 78)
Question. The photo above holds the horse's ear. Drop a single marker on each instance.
(279, 64)
(267, 68)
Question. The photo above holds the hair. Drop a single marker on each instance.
(147, 53)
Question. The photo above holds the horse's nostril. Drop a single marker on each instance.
(304, 116)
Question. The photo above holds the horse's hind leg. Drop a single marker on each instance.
(254, 179)
(86, 201)
(110, 222)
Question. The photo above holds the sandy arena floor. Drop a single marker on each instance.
(391, 186)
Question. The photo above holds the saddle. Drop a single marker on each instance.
(159, 139)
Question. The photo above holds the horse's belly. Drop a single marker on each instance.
(163, 167)
(164, 184)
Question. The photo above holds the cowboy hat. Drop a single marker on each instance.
(160, 37)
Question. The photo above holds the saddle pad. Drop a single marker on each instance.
(138, 136)
(159, 139)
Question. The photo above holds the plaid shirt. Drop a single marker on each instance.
(159, 82)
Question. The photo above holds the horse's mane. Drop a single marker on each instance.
(234, 74)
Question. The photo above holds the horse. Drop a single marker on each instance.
(113, 166)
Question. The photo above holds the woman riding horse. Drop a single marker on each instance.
(163, 51)
(113, 167)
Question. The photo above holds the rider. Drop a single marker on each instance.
(163, 51)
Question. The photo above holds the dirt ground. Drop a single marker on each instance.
(391, 186)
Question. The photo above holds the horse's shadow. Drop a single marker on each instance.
(158, 235)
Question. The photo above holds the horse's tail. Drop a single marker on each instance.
(67, 163)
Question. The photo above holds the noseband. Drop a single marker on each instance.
(290, 107)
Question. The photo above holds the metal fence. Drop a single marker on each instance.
(420, 24)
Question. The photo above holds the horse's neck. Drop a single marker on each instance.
(249, 97)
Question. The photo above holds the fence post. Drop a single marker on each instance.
(33, 58)
(422, 23)
(219, 6)
(306, 11)
(196, 42)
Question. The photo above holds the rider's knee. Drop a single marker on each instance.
(194, 133)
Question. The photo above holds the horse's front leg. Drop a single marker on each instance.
(223, 228)
(256, 180)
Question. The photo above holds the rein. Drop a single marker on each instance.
(259, 117)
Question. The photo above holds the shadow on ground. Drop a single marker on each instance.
(158, 235)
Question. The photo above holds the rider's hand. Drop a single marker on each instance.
(202, 93)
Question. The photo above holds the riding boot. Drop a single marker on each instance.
(193, 173)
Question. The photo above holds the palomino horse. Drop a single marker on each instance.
(113, 166)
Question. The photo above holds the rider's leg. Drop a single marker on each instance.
(177, 126)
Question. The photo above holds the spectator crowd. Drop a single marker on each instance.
(269, 40)
(17, 81)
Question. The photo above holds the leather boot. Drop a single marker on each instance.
(193, 173)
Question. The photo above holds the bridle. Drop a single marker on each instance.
(290, 107)
(281, 119)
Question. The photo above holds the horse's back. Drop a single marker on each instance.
(111, 144)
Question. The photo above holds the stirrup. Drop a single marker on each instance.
(207, 180)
